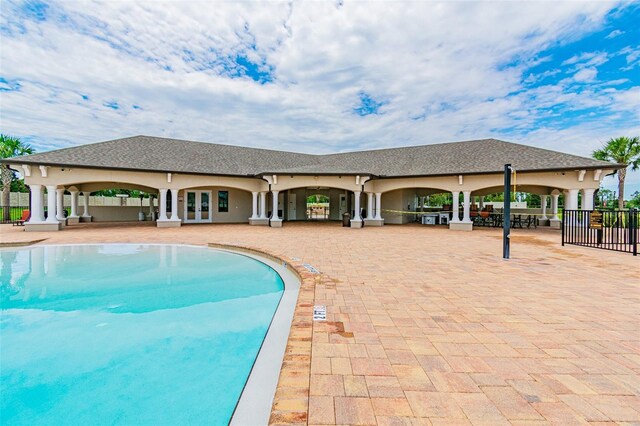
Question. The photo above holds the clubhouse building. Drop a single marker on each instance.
(196, 182)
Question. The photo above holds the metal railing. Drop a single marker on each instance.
(14, 213)
(615, 230)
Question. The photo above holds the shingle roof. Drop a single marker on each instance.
(181, 156)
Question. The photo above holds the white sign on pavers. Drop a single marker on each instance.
(319, 313)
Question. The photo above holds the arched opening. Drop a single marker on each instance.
(429, 206)
(110, 202)
(318, 207)
(530, 205)
(316, 204)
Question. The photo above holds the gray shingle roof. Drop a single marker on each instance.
(173, 155)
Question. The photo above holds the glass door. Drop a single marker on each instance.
(197, 206)
(205, 206)
(190, 206)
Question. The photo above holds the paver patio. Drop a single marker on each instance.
(430, 326)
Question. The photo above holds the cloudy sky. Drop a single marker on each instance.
(322, 76)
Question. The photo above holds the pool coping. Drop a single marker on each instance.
(256, 400)
(291, 399)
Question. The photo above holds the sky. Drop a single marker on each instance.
(322, 76)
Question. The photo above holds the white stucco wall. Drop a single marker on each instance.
(115, 213)
(240, 204)
(399, 200)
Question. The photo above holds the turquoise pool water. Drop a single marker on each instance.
(129, 334)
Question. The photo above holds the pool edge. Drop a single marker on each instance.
(290, 396)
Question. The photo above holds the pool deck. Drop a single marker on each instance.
(429, 326)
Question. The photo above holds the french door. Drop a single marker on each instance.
(197, 207)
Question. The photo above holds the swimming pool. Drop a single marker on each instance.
(129, 334)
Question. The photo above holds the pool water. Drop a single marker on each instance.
(129, 334)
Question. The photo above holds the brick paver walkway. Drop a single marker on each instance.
(430, 326)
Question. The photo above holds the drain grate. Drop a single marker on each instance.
(310, 268)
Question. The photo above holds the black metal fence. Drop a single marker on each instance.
(14, 213)
(604, 229)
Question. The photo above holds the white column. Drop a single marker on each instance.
(37, 209)
(74, 204)
(378, 206)
(554, 206)
(543, 199)
(369, 205)
(174, 205)
(356, 207)
(85, 199)
(274, 214)
(60, 204)
(455, 205)
(481, 203)
(51, 204)
(254, 205)
(466, 206)
(163, 205)
(587, 199)
(263, 205)
(571, 203)
(151, 206)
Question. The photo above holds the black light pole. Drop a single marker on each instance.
(506, 229)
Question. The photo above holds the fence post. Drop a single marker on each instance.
(506, 227)
(633, 228)
(564, 214)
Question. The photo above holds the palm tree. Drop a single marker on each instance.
(9, 147)
(622, 150)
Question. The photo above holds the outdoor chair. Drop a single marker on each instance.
(531, 221)
(484, 218)
(26, 215)
(516, 221)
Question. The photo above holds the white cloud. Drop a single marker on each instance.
(586, 75)
(614, 34)
(443, 63)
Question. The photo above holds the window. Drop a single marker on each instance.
(168, 200)
(223, 201)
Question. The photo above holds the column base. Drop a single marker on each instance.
(259, 221)
(73, 220)
(355, 223)
(461, 226)
(84, 219)
(42, 227)
(555, 223)
(543, 222)
(275, 223)
(373, 222)
(169, 223)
